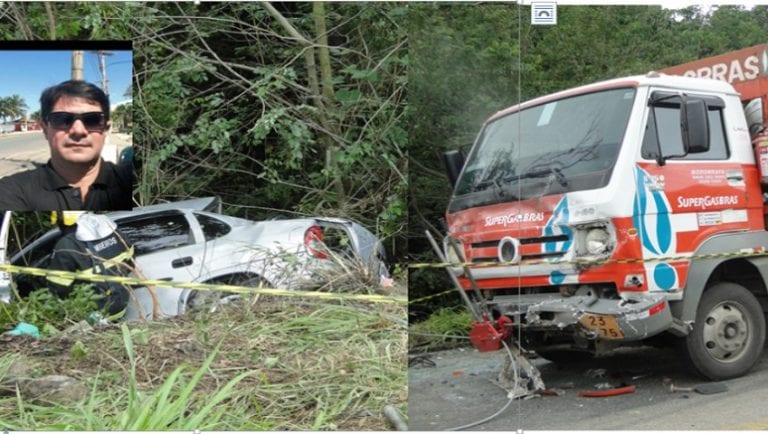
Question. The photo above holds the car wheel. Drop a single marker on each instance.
(728, 334)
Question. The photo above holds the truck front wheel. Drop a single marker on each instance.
(728, 334)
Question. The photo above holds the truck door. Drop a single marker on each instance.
(681, 200)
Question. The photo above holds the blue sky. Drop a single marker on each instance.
(27, 73)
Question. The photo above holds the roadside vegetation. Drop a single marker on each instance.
(12, 107)
(262, 364)
(444, 329)
(284, 109)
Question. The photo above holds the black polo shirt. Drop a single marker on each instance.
(42, 189)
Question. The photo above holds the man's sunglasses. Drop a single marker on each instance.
(93, 121)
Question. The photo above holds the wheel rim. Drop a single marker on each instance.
(727, 332)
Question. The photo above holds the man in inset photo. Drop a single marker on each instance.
(75, 122)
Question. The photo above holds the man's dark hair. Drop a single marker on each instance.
(73, 89)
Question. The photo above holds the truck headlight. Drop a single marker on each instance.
(597, 241)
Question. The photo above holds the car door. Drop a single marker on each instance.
(165, 245)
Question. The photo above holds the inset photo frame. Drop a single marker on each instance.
(66, 122)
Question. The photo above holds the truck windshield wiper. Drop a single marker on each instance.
(547, 171)
(498, 188)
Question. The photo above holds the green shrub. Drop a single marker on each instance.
(47, 311)
(446, 328)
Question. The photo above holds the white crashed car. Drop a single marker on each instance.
(186, 242)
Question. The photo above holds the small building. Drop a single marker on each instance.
(25, 125)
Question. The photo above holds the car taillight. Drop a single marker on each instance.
(313, 242)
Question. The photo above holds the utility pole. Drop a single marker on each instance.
(103, 69)
(77, 65)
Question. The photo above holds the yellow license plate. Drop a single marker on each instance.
(604, 325)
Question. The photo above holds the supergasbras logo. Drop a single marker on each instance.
(509, 219)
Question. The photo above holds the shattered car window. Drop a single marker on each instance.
(212, 228)
(158, 232)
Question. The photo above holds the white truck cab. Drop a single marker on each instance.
(616, 212)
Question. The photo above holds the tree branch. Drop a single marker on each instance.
(51, 20)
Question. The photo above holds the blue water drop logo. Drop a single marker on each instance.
(664, 276)
(651, 217)
(558, 225)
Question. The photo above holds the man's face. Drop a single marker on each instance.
(76, 143)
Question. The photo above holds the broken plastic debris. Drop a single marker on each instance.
(704, 389)
(607, 392)
(596, 373)
(27, 329)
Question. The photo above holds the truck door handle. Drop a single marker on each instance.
(181, 262)
(735, 177)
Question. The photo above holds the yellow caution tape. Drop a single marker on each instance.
(201, 286)
(439, 294)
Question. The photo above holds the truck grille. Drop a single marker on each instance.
(530, 249)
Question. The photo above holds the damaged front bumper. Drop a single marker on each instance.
(590, 316)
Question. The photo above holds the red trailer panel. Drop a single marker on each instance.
(746, 70)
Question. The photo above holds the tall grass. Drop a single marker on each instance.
(270, 366)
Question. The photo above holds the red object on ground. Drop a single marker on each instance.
(607, 392)
(487, 336)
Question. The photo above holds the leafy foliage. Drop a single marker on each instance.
(241, 120)
(12, 107)
(48, 312)
(229, 103)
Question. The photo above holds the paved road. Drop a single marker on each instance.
(458, 390)
(19, 151)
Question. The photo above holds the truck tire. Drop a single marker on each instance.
(728, 335)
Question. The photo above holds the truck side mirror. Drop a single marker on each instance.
(454, 162)
(694, 125)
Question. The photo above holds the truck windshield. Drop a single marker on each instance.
(565, 145)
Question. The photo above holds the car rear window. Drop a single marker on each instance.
(157, 232)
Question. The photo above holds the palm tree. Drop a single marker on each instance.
(4, 109)
(15, 106)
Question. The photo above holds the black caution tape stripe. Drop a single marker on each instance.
(201, 286)
(743, 254)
